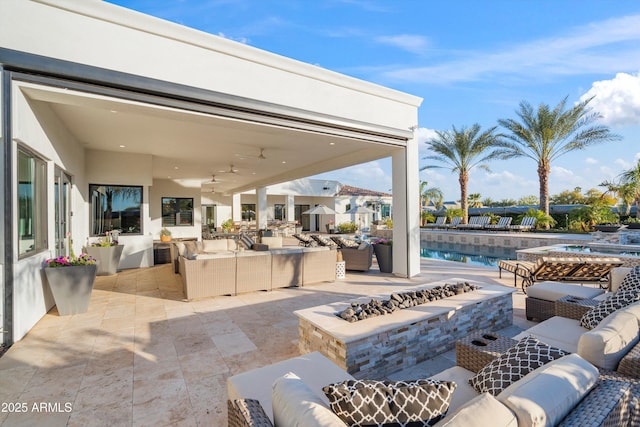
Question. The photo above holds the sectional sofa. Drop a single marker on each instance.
(220, 267)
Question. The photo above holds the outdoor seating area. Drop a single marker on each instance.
(482, 222)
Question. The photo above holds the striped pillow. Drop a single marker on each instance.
(246, 241)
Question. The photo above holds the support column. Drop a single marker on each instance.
(406, 218)
(261, 208)
(291, 208)
(236, 208)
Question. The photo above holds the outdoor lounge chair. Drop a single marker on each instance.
(455, 222)
(440, 222)
(528, 223)
(304, 240)
(323, 241)
(503, 224)
(475, 223)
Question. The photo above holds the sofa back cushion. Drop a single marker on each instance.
(611, 340)
(215, 245)
(295, 404)
(545, 396)
(273, 242)
(482, 410)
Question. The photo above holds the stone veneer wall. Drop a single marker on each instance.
(400, 347)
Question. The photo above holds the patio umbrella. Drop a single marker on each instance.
(320, 210)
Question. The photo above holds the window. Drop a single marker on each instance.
(177, 211)
(279, 212)
(32, 210)
(115, 207)
(248, 212)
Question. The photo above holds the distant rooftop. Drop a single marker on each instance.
(348, 190)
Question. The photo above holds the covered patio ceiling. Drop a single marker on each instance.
(191, 143)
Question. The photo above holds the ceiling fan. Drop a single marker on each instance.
(213, 180)
(260, 156)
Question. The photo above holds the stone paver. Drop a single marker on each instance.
(143, 356)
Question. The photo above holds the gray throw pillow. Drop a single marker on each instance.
(529, 354)
(380, 403)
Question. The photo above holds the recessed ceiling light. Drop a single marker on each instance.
(175, 167)
(332, 143)
(283, 162)
(122, 146)
(113, 111)
(253, 173)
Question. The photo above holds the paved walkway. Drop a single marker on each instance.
(142, 356)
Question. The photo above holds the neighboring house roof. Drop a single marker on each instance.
(348, 190)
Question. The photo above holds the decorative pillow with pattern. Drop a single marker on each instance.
(526, 356)
(246, 241)
(620, 299)
(390, 403)
(631, 280)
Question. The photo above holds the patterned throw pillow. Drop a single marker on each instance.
(631, 280)
(401, 403)
(526, 356)
(615, 302)
(246, 241)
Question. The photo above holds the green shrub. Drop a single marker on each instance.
(347, 227)
(389, 223)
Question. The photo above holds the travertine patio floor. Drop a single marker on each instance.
(142, 356)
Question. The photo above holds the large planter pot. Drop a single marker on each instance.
(634, 225)
(384, 256)
(71, 287)
(107, 258)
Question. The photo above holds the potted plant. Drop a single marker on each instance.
(227, 225)
(71, 280)
(383, 248)
(107, 253)
(165, 235)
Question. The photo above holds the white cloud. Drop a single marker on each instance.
(618, 99)
(408, 42)
(591, 161)
(601, 47)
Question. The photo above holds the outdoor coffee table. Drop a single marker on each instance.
(478, 349)
(573, 307)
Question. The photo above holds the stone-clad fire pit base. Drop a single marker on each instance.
(376, 347)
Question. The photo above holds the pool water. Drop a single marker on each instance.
(487, 256)
(599, 249)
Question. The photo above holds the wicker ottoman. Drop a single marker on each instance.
(541, 298)
(478, 349)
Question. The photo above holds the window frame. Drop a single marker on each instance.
(39, 203)
(92, 211)
(178, 221)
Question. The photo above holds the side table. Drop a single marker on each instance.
(475, 351)
(573, 307)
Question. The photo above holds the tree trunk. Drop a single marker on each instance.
(463, 179)
(420, 212)
(543, 177)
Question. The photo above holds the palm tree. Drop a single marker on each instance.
(630, 181)
(547, 134)
(462, 150)
(429, 194)
(474, 200)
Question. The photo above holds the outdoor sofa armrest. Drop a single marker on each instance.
(247, 413)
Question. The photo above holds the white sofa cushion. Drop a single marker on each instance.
(616, 276)
(464, 392)
(553, 291)
(606, 345)
(273, 242)
(295, 405)
(557, 332)
(215, 245)
(545, 396)
(481, 411)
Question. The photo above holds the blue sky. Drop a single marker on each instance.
(472, 62)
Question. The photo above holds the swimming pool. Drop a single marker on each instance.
(599, 248)
(487, 256)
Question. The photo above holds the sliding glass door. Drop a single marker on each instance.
(62, 201)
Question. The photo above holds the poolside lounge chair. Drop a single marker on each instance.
(503, 224)
(475, 223)
(303, 240)
(323, 241)
(440, 222)
(528, 223)
(455, 222)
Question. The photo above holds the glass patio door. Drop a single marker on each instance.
(62, 198)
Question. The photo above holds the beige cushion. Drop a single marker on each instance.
(232, 245)
(557, 332)
(616, 276)
(215, 245)
(272, 242)
(552, 291)
(180, 247)
(294, 405)
(545, 396)
(464, 392)
(615, 335)
(483, 410)
(314, 369)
